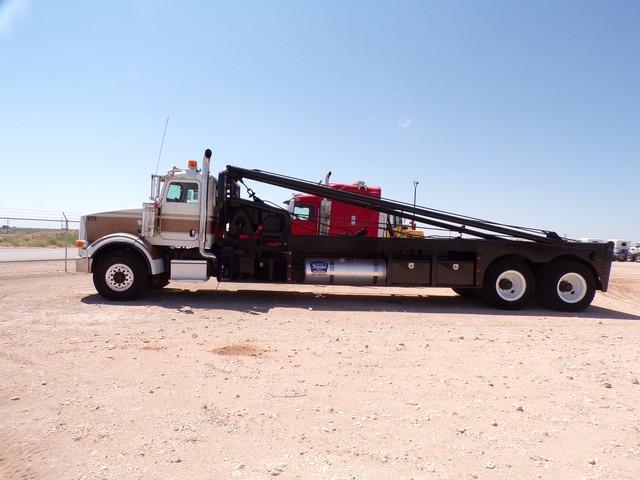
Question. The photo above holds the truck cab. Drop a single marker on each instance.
(162, 238)
(172, 217)
(316, 216)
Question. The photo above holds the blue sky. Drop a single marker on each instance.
(517, 111)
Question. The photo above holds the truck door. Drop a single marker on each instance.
(179, 213)
(304, 221)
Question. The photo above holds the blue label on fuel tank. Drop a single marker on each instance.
(319, 267)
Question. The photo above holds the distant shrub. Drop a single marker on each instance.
(39, 238)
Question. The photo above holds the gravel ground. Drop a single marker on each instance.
(255, 381)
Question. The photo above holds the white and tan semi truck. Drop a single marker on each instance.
(197, 226)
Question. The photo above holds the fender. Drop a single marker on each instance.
(156, 265)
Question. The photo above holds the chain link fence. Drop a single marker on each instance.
(37, 244)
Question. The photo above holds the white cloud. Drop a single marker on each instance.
(405, 123)
(10, 12)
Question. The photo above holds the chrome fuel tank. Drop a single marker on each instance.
(345, 271)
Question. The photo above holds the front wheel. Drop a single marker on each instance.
(508, 284)
(568, 286)
(120, 276)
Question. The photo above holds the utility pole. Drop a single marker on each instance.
(415, 188)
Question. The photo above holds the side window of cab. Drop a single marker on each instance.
(303, 212)
(182, 192)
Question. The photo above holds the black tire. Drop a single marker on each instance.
(557, 289)
(466, 292)
(124, 269)
(272, 225)
(240, 224)
(508, 284)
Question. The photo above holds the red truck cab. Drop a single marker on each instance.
(314, 216)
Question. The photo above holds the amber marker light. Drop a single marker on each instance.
(192, 163)
(81, 243)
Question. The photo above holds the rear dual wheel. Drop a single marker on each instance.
(569, 286)
(508, 284)
(566, 285)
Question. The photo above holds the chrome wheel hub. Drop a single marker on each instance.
(119, 277)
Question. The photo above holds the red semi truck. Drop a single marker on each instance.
(312, 215)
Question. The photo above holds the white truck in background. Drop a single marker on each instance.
(621, 249)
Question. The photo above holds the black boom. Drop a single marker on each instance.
(453, 222)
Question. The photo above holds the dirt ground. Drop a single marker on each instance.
(253, 382)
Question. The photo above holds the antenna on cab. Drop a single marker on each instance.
(166, 124)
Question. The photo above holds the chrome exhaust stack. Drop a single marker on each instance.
(204, 197)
